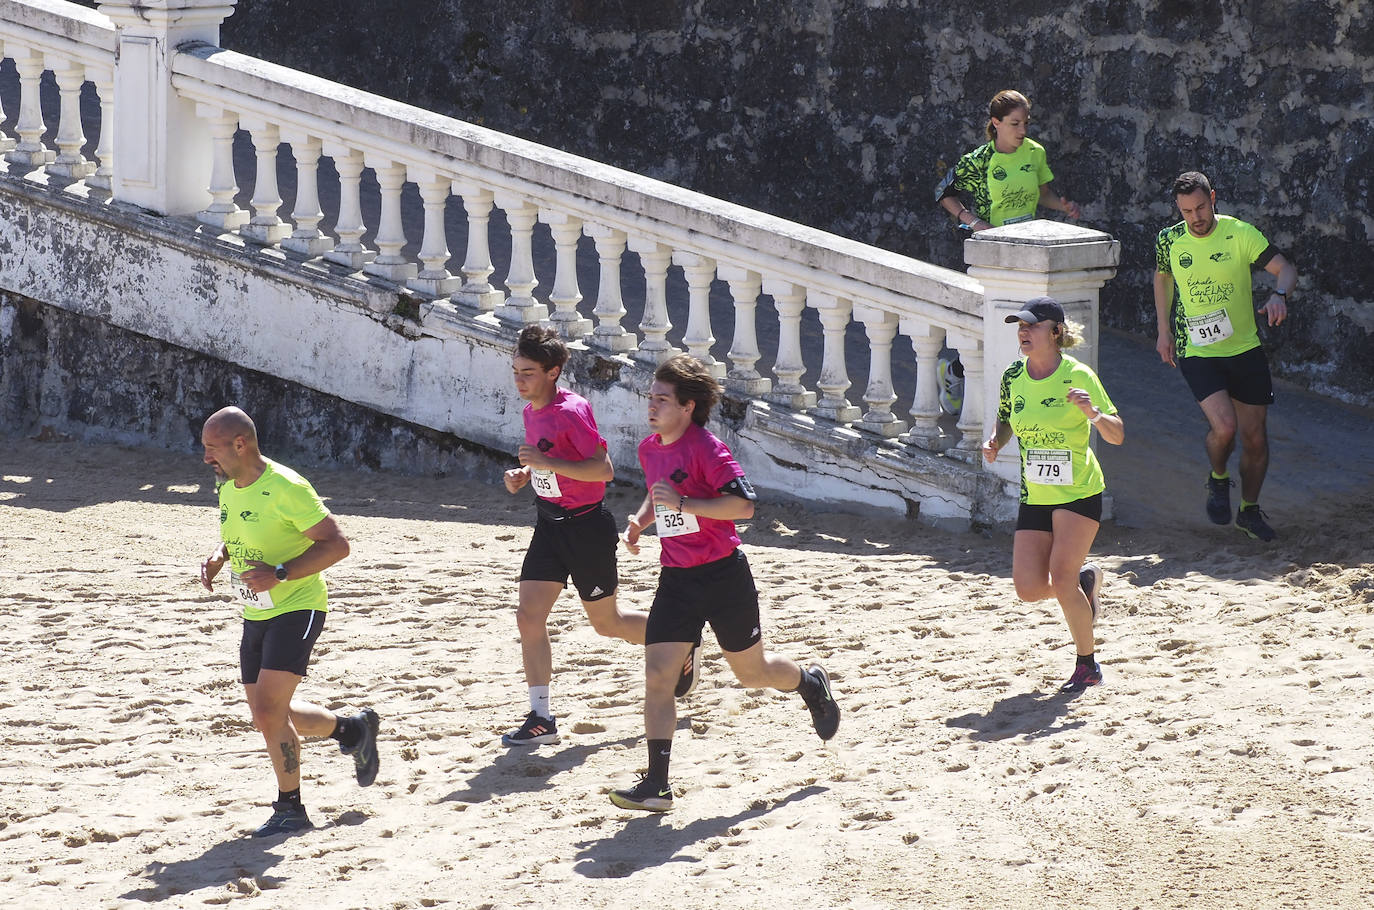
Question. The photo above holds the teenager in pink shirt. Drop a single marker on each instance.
(697, 491)
(564, 459)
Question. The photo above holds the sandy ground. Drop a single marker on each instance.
(1225, 762)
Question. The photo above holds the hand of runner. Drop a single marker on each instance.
(1165, 347)
(1081, 400)
(1276, 309)
(531, 457)
(666, 495)
(516, 478)
(631, 536)
(210, 568)
(261, 577)
(990, 449)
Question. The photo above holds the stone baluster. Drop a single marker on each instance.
(266, 226)
(742, 377)
(926, 341)
(6, 142)
(699, 272)
(103, 178)
(389, 262)
(70, 76)
(477, 291)
(610, 306)
(520, 307)
(971, 416)
(434, 278)
(881, 327)
(655, 258)
(223, 212)
(349, 250)
(29, 151)
(790, 300)
(834, 378)
(566, 295)
(307, 239)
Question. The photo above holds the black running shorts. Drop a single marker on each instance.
(283, 642)
(1041, 518)
(1245, 377)
(721, 593)
(583, 547)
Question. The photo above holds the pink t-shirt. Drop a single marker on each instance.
(697, 466)
(565, 429)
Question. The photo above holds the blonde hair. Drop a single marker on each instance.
(1070, 333)
(1002, 104)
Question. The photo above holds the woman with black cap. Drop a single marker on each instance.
(1051, 402)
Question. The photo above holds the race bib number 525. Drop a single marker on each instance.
(672, 523)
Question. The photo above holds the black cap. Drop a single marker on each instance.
(1038, 310)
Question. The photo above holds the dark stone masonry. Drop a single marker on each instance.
(844, 115)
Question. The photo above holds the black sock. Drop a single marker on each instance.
(1087, 660)
(290, 796)
(345, 731)
(808, 688)
(660, 750)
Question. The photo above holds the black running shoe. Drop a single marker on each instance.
(1090, 580)
(1251, 520)
(287, 818)
(647, 796)
(825, 712)
(364, 751)
(1219, 499)
(535, 731)
(691, 672)
(1083, 676)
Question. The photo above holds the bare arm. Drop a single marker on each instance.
(1285, 279)
(596, 468)
(328, 546)
(997, 441)
(1052, 200)
(725, 508)
(1164, 298)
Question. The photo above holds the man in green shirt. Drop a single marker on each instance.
(277, 537)
(1206, 317)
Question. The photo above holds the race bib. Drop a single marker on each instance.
(1209, 329)
(245, 594)
(672, 523)
(545, 483)
(1053, 467)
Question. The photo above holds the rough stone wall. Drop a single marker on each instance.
(64, 374)
(843, 114)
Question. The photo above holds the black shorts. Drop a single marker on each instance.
(583, 547)
(721, 593)
(1245, 376)
(1041, 518)
(283, 642)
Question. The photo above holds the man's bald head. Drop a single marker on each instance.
(231, 422)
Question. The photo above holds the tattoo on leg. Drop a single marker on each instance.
(290, 760)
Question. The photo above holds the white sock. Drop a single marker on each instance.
(539, 701)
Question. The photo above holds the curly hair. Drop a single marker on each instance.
(691, 381)
(543, 346)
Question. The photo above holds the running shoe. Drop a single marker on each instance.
(1251, 520)
(535, 731)
(364, 751)
(691, 672)
(1083, 676)
(647, 796)
(825, 711)
(1219, 499)
(287, 818)
(1090, 580)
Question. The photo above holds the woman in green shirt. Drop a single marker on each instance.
(1008, 178)
(1051, 402)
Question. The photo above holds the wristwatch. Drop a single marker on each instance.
(1281, 292)
(281, 571)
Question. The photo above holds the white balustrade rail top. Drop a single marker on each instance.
(586, 189)
(59, 27)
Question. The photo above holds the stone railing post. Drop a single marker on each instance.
(162, 151)
(1033, 259)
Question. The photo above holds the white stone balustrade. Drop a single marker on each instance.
(171, 103)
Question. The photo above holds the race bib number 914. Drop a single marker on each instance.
(1209, 329)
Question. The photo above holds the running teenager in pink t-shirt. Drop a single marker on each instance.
(697, 492)
(564, 459)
